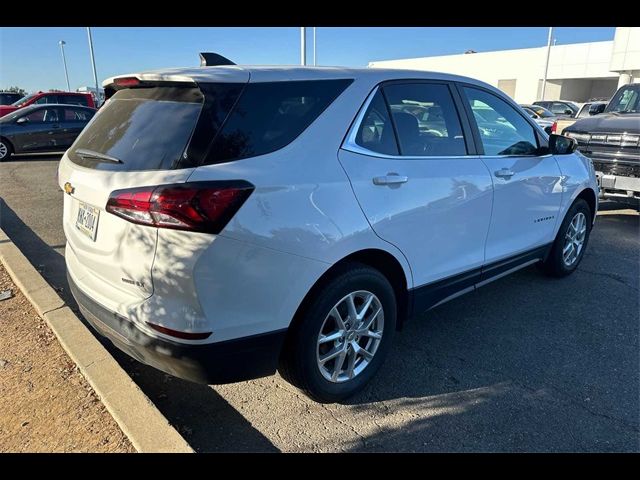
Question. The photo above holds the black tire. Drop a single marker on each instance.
(299, 363)
(9, 149)
(555, 265)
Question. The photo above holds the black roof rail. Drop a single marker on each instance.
(210, 59)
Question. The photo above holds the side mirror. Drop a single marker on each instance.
(22, 120)
(596, 108)
(568, 111)
(561, 145)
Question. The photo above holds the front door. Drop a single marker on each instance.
(527, 185)
(38, 133)
(421, 189)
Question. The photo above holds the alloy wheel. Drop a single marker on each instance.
(574, 239)
(350, 336)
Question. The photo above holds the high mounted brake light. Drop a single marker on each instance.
(197, 206)
(127, 82)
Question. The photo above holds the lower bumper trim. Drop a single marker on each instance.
(229, 361)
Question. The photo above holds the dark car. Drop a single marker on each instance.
(7, 98)
(42, 128)
(611, 138)
(560, 108)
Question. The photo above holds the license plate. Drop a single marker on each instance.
(87, 220)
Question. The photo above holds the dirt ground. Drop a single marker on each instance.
(46, 405)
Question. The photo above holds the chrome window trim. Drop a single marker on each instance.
(350, 144)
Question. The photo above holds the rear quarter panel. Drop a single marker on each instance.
(301, 219)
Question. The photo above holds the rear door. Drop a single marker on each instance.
(425, 191)
(73, 120)
(527, 184)
(139, 138)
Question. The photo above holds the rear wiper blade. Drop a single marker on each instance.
(84, 153)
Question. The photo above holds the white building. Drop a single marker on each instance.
(577, 72)
(92, 90)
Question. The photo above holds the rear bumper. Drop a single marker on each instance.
(214, 363)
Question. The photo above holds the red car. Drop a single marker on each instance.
(67, 98)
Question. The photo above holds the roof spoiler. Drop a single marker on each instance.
(210, 59)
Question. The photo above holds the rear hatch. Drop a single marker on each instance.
(148, 133)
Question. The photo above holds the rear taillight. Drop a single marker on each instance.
(197, 206)
(554, 127)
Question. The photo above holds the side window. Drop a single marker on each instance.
(47, 99)
(77, 115)
(503, 130)
(426, 119)
(376, 132)
(43, 115)
(270, 115)
(74, 100)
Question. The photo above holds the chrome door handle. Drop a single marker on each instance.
(504, 173)
(390, 179)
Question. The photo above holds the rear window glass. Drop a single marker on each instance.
(73, 100)
(144, 128)
(270, 115)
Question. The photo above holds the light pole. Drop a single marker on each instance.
(546, 66)
(93, 65)
(303, 45)
(62, 43)
(314, 47)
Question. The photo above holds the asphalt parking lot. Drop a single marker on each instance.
(526, 363)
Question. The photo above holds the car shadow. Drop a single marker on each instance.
(205, 419)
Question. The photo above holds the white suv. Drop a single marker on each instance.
(224, 222)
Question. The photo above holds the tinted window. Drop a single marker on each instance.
(77, 115)
(269, 116)
(426, 119)
(145, 128)
(505, 131)
(43, 115)
(376, 132)
(8, 98)
(47, 99)
(73, 100)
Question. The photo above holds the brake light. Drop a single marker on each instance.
(554, 127)
(197, 206)
(127, 82)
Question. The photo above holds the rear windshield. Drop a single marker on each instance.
(161, 128)
(142, 128)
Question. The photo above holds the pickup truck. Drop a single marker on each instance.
(612, 141)
(587, 109)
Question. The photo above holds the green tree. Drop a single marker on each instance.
(15, 89)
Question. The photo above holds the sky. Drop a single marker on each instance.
(30, 57)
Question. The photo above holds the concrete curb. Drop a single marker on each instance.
(140, 420)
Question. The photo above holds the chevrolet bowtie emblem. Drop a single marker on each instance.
(68, 188)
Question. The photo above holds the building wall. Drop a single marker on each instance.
(576, 72)
(625, 54)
